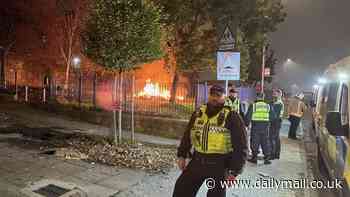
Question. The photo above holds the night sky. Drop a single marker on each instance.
(315, 34)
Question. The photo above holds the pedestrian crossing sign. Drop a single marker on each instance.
(228, 65)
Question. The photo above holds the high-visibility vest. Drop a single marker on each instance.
(279, 101)
(261, 111)
(234, 105)
(209, 135)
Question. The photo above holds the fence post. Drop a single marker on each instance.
(26, 96)
(114, 99)
(196, 99)
(94, 90)
(132, 109)
(44, 95)
(16, 86)
(121, 106)
(80, 90)
(206, 92)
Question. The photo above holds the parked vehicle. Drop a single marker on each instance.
(331, 118)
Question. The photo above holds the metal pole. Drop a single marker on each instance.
(26, 97)
(114, 99)
(133, 109)
(120, 107)
(94, 90)
(226, 87)
(16, 86)
(197, 96)
(263, 70)
(2, 70)
(44, 95)
(80, 89)
(206, 92)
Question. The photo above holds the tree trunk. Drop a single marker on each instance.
(66, 82)
(174, 88)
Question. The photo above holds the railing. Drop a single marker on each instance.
(92, 91)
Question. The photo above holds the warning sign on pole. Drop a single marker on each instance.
(228, 65)
(227, 40)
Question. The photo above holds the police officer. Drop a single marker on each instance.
(260, 114)
(278, 107)
(233, 101)
(218, 138)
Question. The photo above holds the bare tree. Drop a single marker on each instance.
(70, 14)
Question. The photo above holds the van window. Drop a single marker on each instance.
(332, 97)
(344, 109)
(322, 101)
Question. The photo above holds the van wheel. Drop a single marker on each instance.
(320, 162)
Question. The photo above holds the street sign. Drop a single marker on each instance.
(228, 65)
(227, 40)
(267, 72)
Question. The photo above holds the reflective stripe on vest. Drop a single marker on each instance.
(261, 111)
(233, 105)
(209, 135)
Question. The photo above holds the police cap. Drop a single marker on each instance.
(217, 90)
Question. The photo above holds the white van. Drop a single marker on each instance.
(331, 120)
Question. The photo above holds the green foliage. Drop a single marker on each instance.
(192, 29)
(190, 33)
(243, 48)
(122, 33)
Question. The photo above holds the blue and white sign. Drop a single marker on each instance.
(228, 65)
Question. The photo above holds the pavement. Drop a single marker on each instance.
(23, 169)
(39, 119)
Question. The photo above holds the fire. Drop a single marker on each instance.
(153, 90)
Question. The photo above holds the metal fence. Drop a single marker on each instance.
(96, 91)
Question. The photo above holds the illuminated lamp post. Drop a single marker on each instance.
(76, 65)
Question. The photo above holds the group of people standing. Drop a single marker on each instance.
(265, 120)
(216, 139)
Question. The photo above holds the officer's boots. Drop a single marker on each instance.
(254, 159)
(267, 160)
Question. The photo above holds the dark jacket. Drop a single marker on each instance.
(235, 124)
(259, 124)
(277, 107)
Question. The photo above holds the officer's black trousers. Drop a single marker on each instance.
(275, 138)
(196, 173)
(294, 124)
(260, 137)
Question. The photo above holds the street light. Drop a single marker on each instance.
(343, 77)
(322, 80)
(76, 62)
(76, 65)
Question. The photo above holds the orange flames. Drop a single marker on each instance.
(154, 90)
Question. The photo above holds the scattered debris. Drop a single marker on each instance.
(6, 120)
(137, 156)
